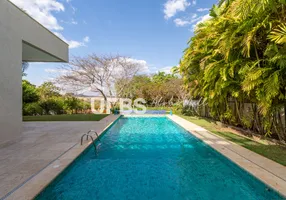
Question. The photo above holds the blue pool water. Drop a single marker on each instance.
(153, 158)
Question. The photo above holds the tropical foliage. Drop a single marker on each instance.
(46, 99)
(159, 89)
(239, 56)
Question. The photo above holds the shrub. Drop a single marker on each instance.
(52, 105)
(32, 109)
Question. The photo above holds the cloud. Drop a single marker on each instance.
(144, 66)
(202, 9)
(194, 19)
(74, 22)
(70, 22)
(75, 44)
(42, 11)
(72, 43)
(74, 9)
(86, 39)
(167, 69)
(53, 70)
(186, 21)
(202, 19)
(181, 22)
(171, 7)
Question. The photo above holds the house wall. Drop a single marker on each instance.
(17, 27)
(10, 85)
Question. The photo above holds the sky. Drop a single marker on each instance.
(152, 32)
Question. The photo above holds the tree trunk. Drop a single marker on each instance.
(238, 111)
(104, 97)
(256, 119)
(102, 93)
(275, 127)
(281, 130)
(285, 118)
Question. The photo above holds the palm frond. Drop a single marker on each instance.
(278, 35)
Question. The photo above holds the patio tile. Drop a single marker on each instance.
(41, 144)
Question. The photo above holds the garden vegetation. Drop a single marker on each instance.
(47, 100)
(239, 56)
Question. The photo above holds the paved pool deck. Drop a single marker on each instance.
(271, 173)
(42, 144)
(47, 148)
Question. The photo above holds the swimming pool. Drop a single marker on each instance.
(154, 158)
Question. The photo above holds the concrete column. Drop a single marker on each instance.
(10, 87)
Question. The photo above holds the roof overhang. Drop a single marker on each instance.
(31, 53)
(38, 43)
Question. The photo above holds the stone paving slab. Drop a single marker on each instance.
(41, 144)
(271, 173)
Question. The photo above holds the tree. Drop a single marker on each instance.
(72, 103)
(98, 73)
(25, 66)
(239, 55)
(51, 100)
(30, 93)
(52, 105)
(32, 109)
(162, 77)
(30, 99)
(48, 89)
(46, 99)
(158, 89)
(133, 88)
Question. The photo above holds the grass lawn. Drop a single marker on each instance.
(159, 108)
(276, 153)
(167, 109)
(75, 117)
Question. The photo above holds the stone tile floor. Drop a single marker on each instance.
(40, 144)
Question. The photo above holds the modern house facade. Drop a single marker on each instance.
(22, 39)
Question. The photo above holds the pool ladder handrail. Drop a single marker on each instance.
(88, 135)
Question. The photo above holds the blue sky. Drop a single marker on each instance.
(152, 31)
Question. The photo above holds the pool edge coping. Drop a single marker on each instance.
(37, 182)
(246, 159)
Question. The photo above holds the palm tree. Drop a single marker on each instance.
(240, 54)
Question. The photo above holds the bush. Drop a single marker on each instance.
(29, 92)
(115, 109)
(85, 105)
(53, 106)
(188, 111)
(32, 109)
(178, 107)
(73, 104)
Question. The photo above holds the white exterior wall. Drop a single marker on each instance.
(16, 27)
